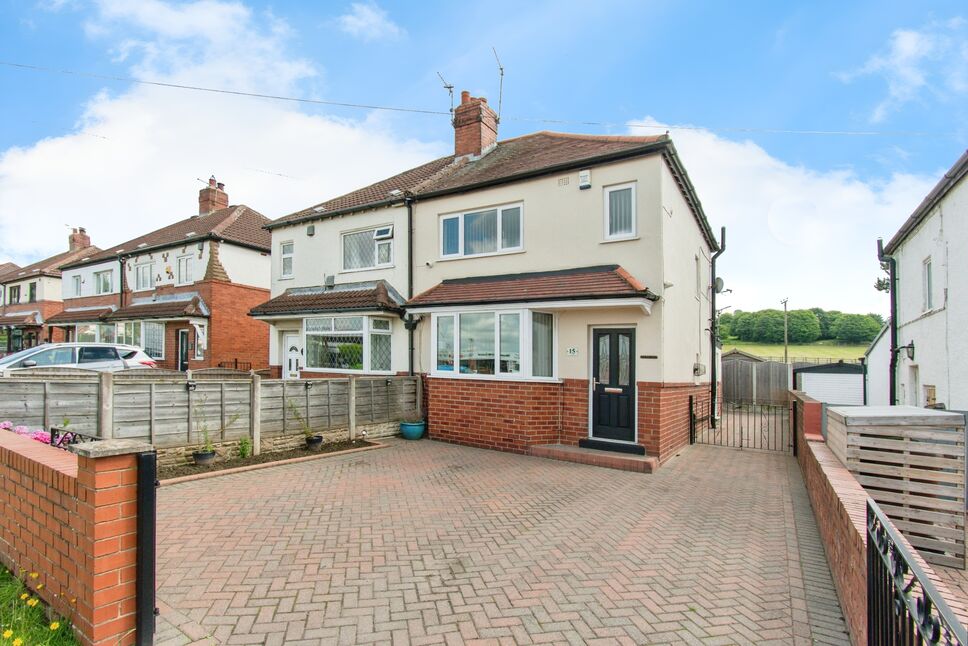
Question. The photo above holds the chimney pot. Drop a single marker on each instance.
(78, 239)
(465, 96)
(211, 181)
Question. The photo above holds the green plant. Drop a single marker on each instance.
(307, 429)
(24, 617)
(245, 447)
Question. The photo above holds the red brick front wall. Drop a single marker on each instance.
(515, 415)
(72, 521)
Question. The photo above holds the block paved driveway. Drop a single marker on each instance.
(429, 543)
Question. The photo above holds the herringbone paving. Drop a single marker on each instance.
(429, 543)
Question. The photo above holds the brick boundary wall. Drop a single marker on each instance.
(839, 505)
(72, 519)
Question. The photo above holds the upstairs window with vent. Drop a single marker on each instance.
(620, 212)
(480, 233)
(369, 249)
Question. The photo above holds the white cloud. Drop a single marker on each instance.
(792, 231)
(367, 21)
(131, 163)
(929, 61)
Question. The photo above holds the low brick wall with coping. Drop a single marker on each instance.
(71, 519)
(839, 505)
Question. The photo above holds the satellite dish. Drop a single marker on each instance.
(719, 285)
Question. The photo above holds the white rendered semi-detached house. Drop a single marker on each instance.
(557, 288)
(181, 292)
(920, 354)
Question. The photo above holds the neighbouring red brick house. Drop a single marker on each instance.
(32, 295)
(181, 292)
(558, 289)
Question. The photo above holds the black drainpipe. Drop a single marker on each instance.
(892, 279)
(145, 609)
(409, 322)
(714, 332)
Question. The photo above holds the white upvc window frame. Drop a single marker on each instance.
(188, 260)
(199, 351)
(283, 256)
(76, 284)
(526, 372)
(385, 240)
(366, 330)
(137, 276)
(460, 215)
(607, 194)
(144, 327)
(97, 282)
(927, 285)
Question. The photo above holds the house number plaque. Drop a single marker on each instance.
(572, 351)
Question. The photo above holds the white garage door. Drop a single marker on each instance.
(834, 388)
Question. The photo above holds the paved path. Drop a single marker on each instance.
(429, 543)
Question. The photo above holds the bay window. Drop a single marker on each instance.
(351, 343)
(477, 233)
(147, 335)
(368, 249)
(501, 343)
(154, 339)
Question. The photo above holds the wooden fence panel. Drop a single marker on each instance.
(912, 463)
(169, 410)
(766, 382)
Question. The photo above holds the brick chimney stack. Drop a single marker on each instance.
(213, 197)
(475, 126)
(78, 239)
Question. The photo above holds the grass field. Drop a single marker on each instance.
(821, 349)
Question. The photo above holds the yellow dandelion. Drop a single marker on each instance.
(32, 603)
(40, 586)
(18, 642)
(34, 575)
(7, 634)
(24, 596)
(55, 625)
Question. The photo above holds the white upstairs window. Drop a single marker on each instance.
(285, 262)
(927, 286)
(620, 211)
(184, 275)
(104, 282)
(369, 249)
(479, 233)
(144, 276)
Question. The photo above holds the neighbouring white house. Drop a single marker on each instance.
(928, 258)
(555, 289)
(877, 359)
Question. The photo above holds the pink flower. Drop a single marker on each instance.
(6, 426)
(21, 430)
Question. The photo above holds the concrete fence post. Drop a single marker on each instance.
(255, 413)
(754, 382)
(351, 408)
(105, 396)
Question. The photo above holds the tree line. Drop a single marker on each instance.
(804, 326)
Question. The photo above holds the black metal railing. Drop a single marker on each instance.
(903, 606)
(235, 364)
(61, 438)
(741, 425)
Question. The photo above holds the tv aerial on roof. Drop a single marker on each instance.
(500, 89)
(450, 89)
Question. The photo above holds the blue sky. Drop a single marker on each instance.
(77, 150)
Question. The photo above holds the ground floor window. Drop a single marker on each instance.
(148, 335)
(502, 343)
(360, 343)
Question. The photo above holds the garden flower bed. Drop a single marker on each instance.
(24, 619)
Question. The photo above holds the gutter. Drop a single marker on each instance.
(714, 331)
(892, 279)
(410, 322)
(88, 262)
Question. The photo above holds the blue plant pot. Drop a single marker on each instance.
(413, 430)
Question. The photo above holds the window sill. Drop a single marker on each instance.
(451, 375)
(356, 271)
(480, 255)
(286, 278)
(622, 239)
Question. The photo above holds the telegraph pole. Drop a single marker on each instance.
(786, 335)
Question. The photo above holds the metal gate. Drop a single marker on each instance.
(742, 425)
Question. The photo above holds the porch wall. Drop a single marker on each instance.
(515, 415)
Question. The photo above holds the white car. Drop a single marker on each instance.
(109, 357)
